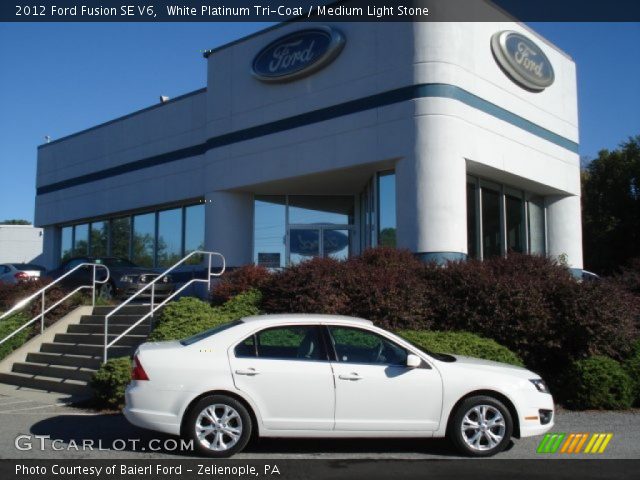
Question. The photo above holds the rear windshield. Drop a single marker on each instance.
(207, 333)
(27, 266)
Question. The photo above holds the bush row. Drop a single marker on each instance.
(529, 304)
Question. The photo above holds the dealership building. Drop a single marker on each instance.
(453, 140)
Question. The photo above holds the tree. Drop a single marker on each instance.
(611, 207)
(15, 221)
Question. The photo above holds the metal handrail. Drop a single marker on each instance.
(153, 306)
(43, 311)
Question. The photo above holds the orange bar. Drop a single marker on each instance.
(584, 439)
(575, 442)
(567, 442)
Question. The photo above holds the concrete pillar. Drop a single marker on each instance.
(564, 229)
(229, 226)
(431, 193)
(50, 257)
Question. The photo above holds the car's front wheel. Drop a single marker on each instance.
(219, 426)
(481, 426)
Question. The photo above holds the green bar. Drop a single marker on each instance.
(543, 443)
(556, 446)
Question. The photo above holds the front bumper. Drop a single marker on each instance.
(533, 415)
(161, 289)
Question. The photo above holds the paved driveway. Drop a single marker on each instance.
(113, 437)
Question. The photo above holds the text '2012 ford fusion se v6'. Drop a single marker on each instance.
(328, 376)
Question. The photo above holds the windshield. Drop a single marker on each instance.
(207, 333)
(113, 262)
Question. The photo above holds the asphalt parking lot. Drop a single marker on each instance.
(111, 436)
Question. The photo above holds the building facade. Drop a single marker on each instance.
(452, 140)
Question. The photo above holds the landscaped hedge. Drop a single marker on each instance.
(188, 316)
(8, 326)
(110, 382)
(598, 382)
(632, 367)
(530, 304)
(461, 343)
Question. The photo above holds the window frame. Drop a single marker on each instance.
(254, 335)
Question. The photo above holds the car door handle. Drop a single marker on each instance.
(249, 371)
(353, 376)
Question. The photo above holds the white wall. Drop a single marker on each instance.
(20, 243)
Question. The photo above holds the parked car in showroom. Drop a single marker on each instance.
(302, 375)
(13, 273)
(125, 277)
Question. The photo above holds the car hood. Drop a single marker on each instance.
(489, 365)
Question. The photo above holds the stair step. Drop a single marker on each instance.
(99, 328)
(97, 339)
(126, 310)
(85, 361)
(115, 320)
(93, 350)
(61, 372)
(49, 384)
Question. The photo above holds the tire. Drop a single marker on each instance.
(211, 435)
(107, 291)
(481, 426)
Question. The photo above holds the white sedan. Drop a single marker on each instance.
(328, 376)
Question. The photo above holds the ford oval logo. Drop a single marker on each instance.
(298, 54)
(522, 60)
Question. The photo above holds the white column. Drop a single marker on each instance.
(229, 226)
(431, 193)
(50, 248)
(564, 229)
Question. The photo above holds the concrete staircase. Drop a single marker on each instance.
(66, 364)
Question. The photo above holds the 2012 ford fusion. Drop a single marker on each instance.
(328, 376)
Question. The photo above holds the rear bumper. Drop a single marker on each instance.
(143, 408)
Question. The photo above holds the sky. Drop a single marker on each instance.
(59, 78)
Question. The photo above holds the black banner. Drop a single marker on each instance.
(318, 10)
(194, 469)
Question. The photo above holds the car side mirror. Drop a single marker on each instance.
(413, 361)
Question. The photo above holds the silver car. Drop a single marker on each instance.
(13, 273)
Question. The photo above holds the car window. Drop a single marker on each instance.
(354, 345)
(299, 342)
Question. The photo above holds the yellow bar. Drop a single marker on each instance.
(606, 442)
(584, 439)
(596, 445)
(591, 442)
(569, 439)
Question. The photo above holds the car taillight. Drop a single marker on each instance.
(21, 276)
(138, 373)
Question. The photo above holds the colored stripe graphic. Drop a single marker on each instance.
(572, 443)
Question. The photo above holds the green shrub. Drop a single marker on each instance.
(188, 315)
(632, 366)
(461, 343)
(598, 382)
(110, 381)
(8, 326)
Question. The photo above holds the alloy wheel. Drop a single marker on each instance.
(218, 427)
(483, 427)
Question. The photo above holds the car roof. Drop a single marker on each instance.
(276, 319)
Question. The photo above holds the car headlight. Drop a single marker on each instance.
(540, 385)
(166, 279)
(126, 279)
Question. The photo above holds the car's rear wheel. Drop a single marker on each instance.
(219, 426)
(481, 426)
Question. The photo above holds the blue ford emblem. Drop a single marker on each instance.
(297, 54)
(522, 60)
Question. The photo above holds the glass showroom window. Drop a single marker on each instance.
(99, 239)
(387, 209)
(193, 232)
(270, 229)
(502, 219)
(169, 243)
(81, 239)
(66, 243)
(143, 240)
(120, 237)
